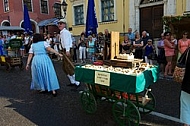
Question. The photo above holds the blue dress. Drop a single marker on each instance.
(43, 73)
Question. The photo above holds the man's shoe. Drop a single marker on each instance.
(77, 83)
(77, 86)
(71, 84)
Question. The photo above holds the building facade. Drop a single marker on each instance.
(11, 13)
(119, 15)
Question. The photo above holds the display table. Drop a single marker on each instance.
(121, 82)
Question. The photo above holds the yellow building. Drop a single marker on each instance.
(117, 22)
(119, 15)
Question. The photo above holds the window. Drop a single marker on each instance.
(28, 4)
(57, 10)
(6, 5)
(44, 6)
(107, 7)
(79, 15)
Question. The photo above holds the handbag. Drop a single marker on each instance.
(152, 56)
(179, 70)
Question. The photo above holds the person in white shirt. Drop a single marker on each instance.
(66, 43)
(13, 36)
(26, 43)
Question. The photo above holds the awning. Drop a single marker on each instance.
(55, 22)
(11, 28)
(47, 22)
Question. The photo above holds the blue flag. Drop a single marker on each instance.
(27, 23)
(91, 20)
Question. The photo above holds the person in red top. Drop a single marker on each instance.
(169, 53)
(183, 44)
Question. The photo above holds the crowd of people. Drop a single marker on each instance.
(64, 46)
(169, 51)
(97, 47)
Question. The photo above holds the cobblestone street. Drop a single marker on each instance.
(20, 106)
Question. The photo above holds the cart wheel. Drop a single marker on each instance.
(150, 106)
(88, 102)
(126, 113)
(8, 66)
(21, 66)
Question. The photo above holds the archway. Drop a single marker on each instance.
(5, 23)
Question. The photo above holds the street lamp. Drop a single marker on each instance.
(57, 9)
(64, 6)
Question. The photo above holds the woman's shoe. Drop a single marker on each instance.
(43, 91)
(54, 93)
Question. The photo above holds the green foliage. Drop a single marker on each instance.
(168, 20)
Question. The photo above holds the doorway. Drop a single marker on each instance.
(151, 20)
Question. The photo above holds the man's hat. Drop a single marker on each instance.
(62, 21)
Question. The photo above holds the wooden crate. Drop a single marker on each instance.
(13, 60)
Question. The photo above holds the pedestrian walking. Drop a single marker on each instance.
(43, 72)
(66, 42)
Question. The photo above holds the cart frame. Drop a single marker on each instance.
(127, 106)
(13, 61)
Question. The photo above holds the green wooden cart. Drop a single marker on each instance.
(12, 60)
(131, 94)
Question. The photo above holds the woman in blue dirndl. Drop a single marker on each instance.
(43, 73)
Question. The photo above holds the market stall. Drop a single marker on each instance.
(128, 89)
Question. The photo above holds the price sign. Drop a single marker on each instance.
(102, 78)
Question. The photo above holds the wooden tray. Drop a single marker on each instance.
(122, 63)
